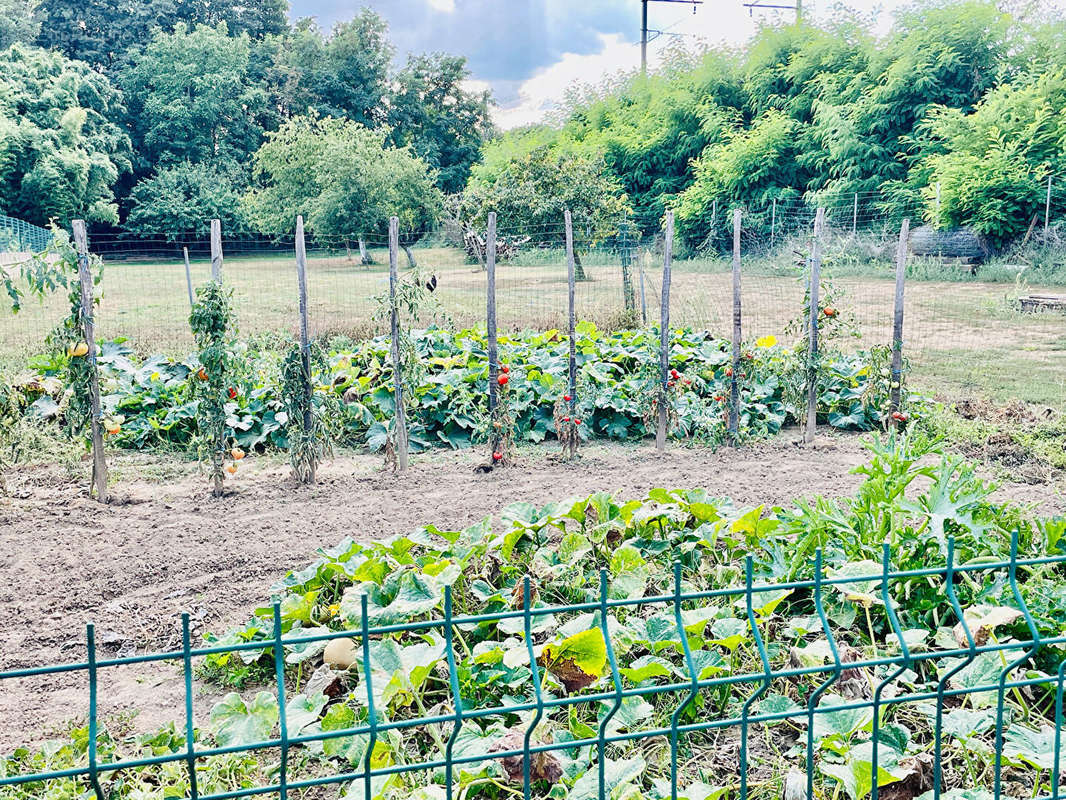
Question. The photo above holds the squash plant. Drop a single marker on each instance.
(214, 328)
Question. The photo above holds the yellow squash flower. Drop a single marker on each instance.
(766, 341)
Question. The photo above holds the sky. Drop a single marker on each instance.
(529, 52)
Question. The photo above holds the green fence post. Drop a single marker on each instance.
(94, 777)
(1056, 769)
(372, 717)
(1012, 573)
(690, 665)
(764, 657)
(453, 677)
(816, 695)
(537, 692)
(190, 744)
(893, 620)
(601, 746)
(279, 673)
(938, 726)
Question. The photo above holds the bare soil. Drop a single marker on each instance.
(159, 549)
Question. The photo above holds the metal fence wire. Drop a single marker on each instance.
(18, 236)
(899, 674)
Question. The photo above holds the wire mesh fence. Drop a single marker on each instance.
(963, 332)
(864, 712)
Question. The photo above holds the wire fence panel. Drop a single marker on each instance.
(847, 704)
(963, 331)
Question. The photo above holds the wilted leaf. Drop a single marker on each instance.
(577, 661)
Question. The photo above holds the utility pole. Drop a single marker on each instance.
(644, 27)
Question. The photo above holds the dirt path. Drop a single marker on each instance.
(162, 549)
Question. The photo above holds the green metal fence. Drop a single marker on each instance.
(941, 691)
(17, 236)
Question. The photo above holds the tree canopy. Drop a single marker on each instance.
(344, 178)
(60, 150)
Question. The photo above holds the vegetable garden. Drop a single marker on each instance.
(904, 642)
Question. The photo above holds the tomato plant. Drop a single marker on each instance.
(213, 325)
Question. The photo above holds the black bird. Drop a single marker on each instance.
(431, 284)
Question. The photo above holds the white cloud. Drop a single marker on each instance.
(541, 94)
(447, 6)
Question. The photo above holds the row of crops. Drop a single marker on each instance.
(153, 402)
(631, 646)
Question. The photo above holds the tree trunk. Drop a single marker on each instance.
(579, 271)
(364, 257)
(410, 256)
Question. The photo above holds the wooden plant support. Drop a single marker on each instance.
(896, 389)
(734, 381)
(216, 251)
(664, 336)
(99, 476)
(305, 341)
(812, 328)
(490, 328)
(188, 277)
(397, 359)
(643, 296)
(572, 363)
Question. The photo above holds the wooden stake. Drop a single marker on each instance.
(734, 381)
(855, 215)
(627, 278)
(188, 278)
(216, 251)
(664, 335)
(812, 325)
(99, 477)
(643, 296)
(490, 325)
(397, 360)
(572, 365)
(896, 389)
(305, 341)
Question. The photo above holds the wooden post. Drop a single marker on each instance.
(99, 478)
(364, 258)
(734, 380)
(397, 362)
(938, 204)
(714, 217)
(773, 222)
(626, 254)
(490, 325)
(305, 342)
(855, 215)
(188, 278)
(572, 364)
(896, 388)
(1047, 206)
(216, 251)
(643, 296)
(812, 326)
(664, 336)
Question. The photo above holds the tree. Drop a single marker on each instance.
(60, 151)
(342, 177)
(18, 22)
(342, 75)
(191, 98)
(749, 168)
(442, 122)
(101, 32)
(534, 191)
(184, 198)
